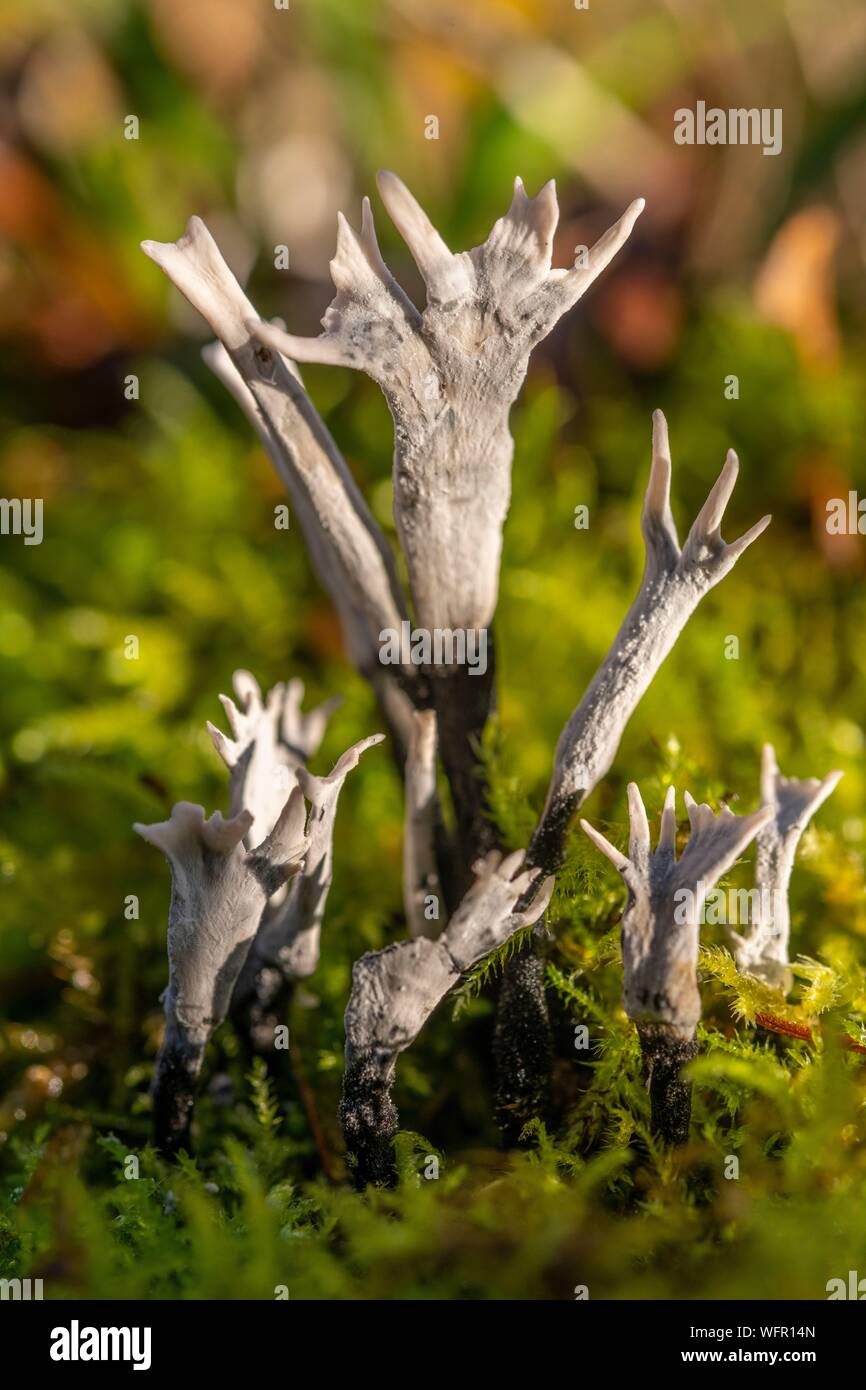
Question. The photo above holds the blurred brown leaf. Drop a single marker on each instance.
(795, 286)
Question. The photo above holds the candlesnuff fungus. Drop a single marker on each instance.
(286, 947)
(395, 991)
(450, 373)
(219, 891)
(674, 582)
(271, 739)
(266, 758)
(347, 548)
(661, 937)
(675, 579)
(763, 951)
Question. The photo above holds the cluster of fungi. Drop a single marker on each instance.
(249, 892)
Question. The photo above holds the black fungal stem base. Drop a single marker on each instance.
(463, 704)
(664, 1056)
(174, 1088)
(523, 1037)
(369, 1119)
(260, 1010)
(522, 1044)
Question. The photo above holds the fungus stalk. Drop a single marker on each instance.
(661, 938)
(219, 892)
(422, 891)
(395, 991)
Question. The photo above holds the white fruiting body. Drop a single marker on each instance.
(219, 892)
(673, 584)
(764, 949)
(660, 941)
(450, 373)
(271, 739)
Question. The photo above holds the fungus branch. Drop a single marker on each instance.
(763, 951)
(674, 582)
(661, 937)
(271, 739)
(286, 948)
(348, 550)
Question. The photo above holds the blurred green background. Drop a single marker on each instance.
(158, 507)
